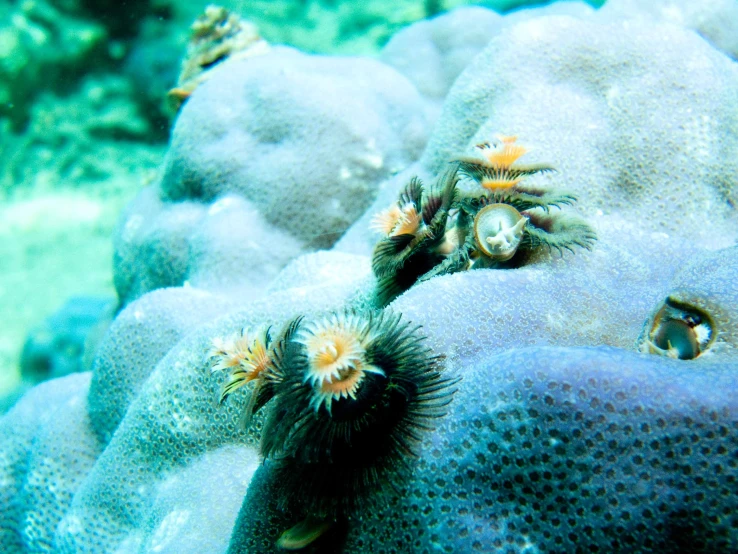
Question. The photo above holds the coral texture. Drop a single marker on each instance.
(276, 134)
(555, 449)
(636, 148)
(432, 53)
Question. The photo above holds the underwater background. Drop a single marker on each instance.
(84, 126)
(336, 276)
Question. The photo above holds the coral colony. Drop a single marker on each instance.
(350, 393)
(446, 230)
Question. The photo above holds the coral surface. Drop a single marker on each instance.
(256, 151)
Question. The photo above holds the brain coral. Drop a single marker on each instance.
(562, 436)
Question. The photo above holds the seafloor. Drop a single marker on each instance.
(335, 276)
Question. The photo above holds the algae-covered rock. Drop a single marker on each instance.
(40, 42)
(95, 134)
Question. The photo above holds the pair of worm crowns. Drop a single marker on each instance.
(499, 224)
(348, 397)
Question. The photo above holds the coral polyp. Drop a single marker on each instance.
(243, 354)
(349, 395)
(341, 427)
(500, 224)
(504, 154)
(303, 534)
